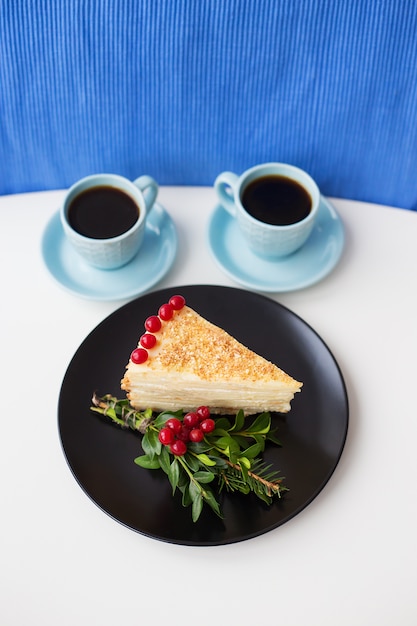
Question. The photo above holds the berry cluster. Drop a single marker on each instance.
(176, 433)
(152, 325)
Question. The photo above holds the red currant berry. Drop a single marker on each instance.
(196, 435)
(165, 312)
(139, 356)
(178, 447)
(174, 424)
(148, 341)
(166, 436)
(153, 324)
(190, 420)
(177, 302)
(203, 412)
(184, 434)
(207, 425)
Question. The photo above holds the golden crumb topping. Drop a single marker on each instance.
(189, 343)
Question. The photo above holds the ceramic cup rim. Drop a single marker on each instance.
(108, 180)
(291, 171)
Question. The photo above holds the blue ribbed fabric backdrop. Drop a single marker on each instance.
(183, 89)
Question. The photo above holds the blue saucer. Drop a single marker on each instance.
(149, 266)
(301, 269)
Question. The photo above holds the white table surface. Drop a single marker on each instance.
(350, 558)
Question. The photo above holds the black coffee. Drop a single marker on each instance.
(102, 212)
(276, 200)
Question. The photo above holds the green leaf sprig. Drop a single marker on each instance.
(228, 458)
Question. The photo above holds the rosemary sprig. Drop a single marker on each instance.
(121, 413)
(230, 456)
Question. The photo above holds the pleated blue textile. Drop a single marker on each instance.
(184, 89)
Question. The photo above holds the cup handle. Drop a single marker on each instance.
(149, 187)
(224, 186)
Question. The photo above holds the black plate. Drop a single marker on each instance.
(101, 456)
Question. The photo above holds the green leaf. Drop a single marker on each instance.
(199, 447)
(219, 432)
(151, 444)
(241, 440)
(165, 459)
(192, 462)
(197, 507)
(186, 498)
(183, 481)
(166, 415)
(211, 501)
(223, 423)
(223, 442)
(219, 462)
(195, 490)
(204, 477)
(228, 444)
(239, 421)
(154, 441)
(174, 474)
(253, 451)
(146, 462)
(206, 460)
(244, 462)
(273, 438)
(262, 424)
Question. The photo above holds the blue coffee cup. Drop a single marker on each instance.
(111, 195)
(270, 240)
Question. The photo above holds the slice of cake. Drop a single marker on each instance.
(184, 361)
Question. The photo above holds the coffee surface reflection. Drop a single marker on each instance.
(276, 200)
(103, 212)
